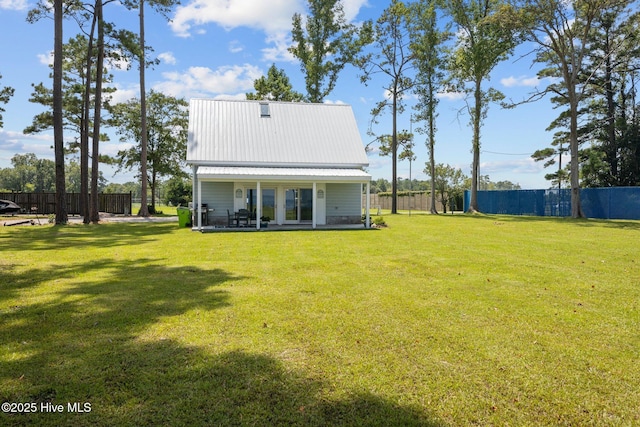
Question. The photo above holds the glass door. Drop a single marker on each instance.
(298, 205)
(269, 203)
(291, 206)
(306, 204)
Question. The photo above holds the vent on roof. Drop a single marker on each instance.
(264, 109)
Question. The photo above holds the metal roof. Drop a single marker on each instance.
(282, 174)
(293, 134)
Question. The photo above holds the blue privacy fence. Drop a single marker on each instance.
(605, 203)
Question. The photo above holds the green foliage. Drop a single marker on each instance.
(128, 187)
(449, 183)
(427, 44)
(74, 177)
(404, 140)
(5, 94)
(28, 174)
(392, 58)
(487, 33)
(167, 123)
(325, 45)
(379, 221)
(74, 83)
(274, 87)
(178, 191)
(607, 121)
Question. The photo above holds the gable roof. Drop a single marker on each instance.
(238, 133)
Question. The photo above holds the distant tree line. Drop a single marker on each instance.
(30, 174)
(608, 130)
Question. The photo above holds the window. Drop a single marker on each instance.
(264, 109)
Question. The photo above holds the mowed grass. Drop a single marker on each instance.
(435, 320)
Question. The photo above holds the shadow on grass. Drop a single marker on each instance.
(166, 383)
(36, 238)
(106, 343)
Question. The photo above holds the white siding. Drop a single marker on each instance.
(343, 201)
(218, 196)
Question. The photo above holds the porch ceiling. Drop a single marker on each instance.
(236, 173)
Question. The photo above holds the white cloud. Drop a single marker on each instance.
(10, 140)
(235, 46)
(520, 81)
(352, 8)
(451, 96)
(14, 4)
(124, 94)
(46, 58)
(14, 142)
(236, 97)
(205, 82)
(269, 16)
(279, 52)
(167, 58)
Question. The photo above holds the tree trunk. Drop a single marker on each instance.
(576, 206)
(475, 167)
(432, 158)
(394, 151)
(612, 151)
(84, 133)
(93, 202)
(153, 190)
(144, 209)
(58, 132)
(84, 151)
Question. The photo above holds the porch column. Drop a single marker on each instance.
(259, 207)
(198, 207)
(194, 181)
(367, 224)
(313, 206)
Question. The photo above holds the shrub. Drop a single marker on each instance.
(178, 192)
(379, 221)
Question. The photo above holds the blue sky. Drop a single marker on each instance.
(217, 48)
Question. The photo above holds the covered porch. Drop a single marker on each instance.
(279, 198)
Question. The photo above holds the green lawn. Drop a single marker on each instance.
(435, 320)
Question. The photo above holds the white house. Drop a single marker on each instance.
(296, 163)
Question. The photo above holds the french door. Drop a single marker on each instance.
(298, 205)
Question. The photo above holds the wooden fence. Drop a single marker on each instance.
(418, 202)
(44, 203)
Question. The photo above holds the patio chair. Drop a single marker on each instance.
(243, 217)
(231, 219)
